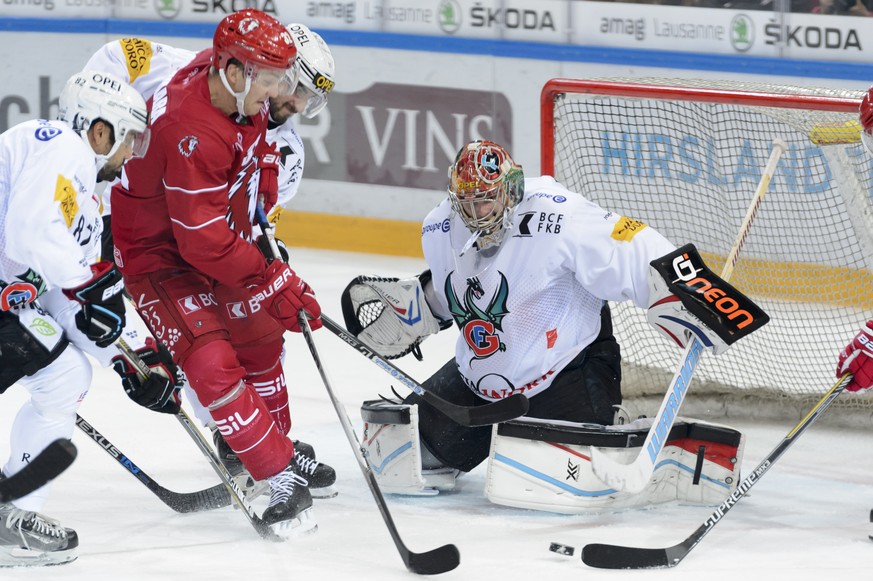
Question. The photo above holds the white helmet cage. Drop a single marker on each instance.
(89, 96)
(316, 68)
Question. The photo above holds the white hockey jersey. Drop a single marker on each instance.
(147, 65)
(525, 309)
(49, 214)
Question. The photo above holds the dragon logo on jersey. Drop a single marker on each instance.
(188, 145)
(479, 327)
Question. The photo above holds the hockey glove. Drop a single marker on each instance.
(267, 250)
(687, 299)
(283, 295)
(268, 181)
(160, 391)
(857, 359)
(102, 316)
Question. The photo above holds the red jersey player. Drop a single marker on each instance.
(182, 224)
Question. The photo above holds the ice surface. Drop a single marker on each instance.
(806, 520)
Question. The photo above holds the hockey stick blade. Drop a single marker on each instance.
(605, 556)
(206, 499)
(433, 562)
(48, 464)
(502, 410)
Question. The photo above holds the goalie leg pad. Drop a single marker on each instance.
(545, 465)
(395, 454)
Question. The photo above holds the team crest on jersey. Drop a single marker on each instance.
(16, 294)
(479, 326)
(188, 145)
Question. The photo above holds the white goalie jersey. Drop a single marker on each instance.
(526, 308)
(147, 65)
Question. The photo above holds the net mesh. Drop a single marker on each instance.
(689, 168)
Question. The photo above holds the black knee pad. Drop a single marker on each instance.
(21, 354)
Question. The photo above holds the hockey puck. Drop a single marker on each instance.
(565, 550)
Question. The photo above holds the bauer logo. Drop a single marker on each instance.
(742, 33)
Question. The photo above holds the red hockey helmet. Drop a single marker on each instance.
(254, 38)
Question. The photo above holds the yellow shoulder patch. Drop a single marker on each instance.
(626, 228)
(65, 195)
(137, 55)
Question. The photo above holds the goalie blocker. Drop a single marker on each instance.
(544, 464)
(686, 297)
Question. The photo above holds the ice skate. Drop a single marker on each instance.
(289, 512)
(29, 539)
(321, 477)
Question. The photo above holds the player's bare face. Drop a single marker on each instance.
(284, 106)
(267, 85)
(112, 169)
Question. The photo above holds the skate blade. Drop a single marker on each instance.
(19, 557)
(303, 524)
(324, 492)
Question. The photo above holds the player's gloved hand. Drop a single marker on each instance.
(102, 316)
(160, 392)
(268, 182)
(857, 359)
(284, 294)
(267, 250)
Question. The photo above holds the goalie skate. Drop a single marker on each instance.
(29, 539)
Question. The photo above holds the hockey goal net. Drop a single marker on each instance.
(685, 157)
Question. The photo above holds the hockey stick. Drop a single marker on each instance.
(48, 464)
(432, 562)
(634, 477)
(236, 493)
(501, 410)
(232, 489)
(207, 499)
(619, 557)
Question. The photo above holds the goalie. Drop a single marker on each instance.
(524, 268)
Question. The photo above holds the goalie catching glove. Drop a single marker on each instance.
(160, 391)
(686, 299)
(390, 315)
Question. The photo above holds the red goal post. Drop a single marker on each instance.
(684, 156)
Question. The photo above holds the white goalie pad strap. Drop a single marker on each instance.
(700, 467)
(394, 453)
(389, 315)
(669, 316)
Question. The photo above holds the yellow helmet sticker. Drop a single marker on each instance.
(65, 195)
(137, 55)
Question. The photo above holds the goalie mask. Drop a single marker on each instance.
(485, 185)
(90, 96)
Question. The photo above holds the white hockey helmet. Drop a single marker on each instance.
(90, 96)
(316, 68)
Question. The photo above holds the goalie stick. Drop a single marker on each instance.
(634, 476)
(432, 562)
(618, 557)
(48, 464)
(206, 499)
(501, 410)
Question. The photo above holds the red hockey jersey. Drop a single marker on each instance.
(189, 203)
